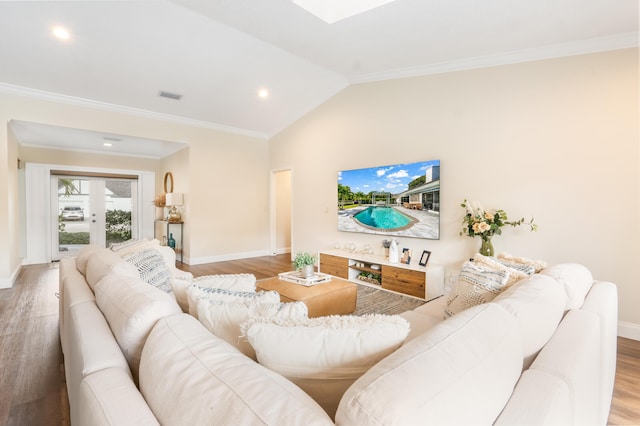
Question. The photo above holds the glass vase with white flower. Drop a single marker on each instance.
(479, 222)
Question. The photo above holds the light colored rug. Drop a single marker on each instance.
(376, 301)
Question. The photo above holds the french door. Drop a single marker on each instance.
(91, 210)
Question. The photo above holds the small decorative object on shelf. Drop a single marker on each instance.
(484, 224)
(370, 278)
(386, 244)
(424, 258)
(172, 241)
(298, 278)
(406, 256)
(304, 263)
(394, 256)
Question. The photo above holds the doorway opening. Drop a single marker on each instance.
(281, 211)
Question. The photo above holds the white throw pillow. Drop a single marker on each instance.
(325, 355)
(225, 318)
(537, 265)
(195, 293)
(476, 284)
(515, 274)
(236, 282)
(132, 246)
(151, 267)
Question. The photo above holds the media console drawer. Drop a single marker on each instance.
(404, 281)
(334, 265)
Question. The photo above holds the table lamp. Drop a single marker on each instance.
(173, 200)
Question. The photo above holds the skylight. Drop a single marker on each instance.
(332, 11)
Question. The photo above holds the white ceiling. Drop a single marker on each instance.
(219, 53)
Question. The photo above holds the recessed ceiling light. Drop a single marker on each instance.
(61, 32)
(263, 93)
(107, 144)
(332, 11)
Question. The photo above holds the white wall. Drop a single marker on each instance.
(556, 139)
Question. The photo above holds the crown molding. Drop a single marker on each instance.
(593, 45)
(11, 89)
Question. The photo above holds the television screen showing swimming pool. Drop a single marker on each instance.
(400, 200)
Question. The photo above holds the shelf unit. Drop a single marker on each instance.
(163, 228)
(413, 280)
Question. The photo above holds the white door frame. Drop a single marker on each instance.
(38, 243)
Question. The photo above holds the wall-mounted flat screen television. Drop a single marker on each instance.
(400, 200)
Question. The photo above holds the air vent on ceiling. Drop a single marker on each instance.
(111, 138)
(170, 95)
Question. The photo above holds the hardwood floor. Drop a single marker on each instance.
(32, 383)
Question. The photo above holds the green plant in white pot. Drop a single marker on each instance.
(304, 263)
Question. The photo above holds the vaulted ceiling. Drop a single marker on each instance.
(217, 54)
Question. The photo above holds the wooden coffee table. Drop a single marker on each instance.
(336, 297)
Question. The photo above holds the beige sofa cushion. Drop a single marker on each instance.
(83, 257)
(190, 377)
(538, 304)
(562, 382)
(461, 372)
(110, 398)
(575, 279)
(132, 308)
(325, 355)
(104, 262)
(91, 348)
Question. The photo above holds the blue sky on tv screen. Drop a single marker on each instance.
(392, 179)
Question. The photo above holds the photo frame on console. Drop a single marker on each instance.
(406, 256)
(424, 258)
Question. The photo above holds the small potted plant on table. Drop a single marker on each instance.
(304, 263)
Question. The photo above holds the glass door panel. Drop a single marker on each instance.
(91, 210)
(73, 223)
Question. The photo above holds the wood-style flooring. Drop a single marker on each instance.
(32, 383)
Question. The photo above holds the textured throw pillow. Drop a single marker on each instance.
(537, 265)
(515, 274)
(195, 293)
(325, 355)
(131, 246)
(476, 284)
(151, 267)
(225, 318)
(236, 282)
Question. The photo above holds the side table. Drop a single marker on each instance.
(163, 228)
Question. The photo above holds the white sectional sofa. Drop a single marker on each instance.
(542, 352)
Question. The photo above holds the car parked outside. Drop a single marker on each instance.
(72, 213)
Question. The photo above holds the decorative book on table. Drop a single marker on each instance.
(297, 278)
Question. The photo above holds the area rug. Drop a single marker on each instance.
(375, 301)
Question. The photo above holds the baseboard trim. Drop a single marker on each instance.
(629, 330)
(226, 257)
(8, 282)
(284, 250)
